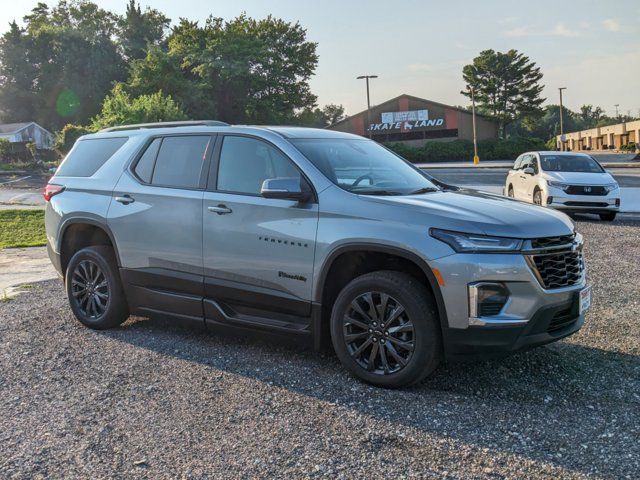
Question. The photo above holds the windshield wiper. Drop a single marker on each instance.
(376, 192)
(423, 190)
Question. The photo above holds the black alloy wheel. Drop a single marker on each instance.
(378, 332)
(90, 289)
(94, 288)
(385, 329)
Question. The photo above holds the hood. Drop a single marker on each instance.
(478, 212)
(580, 178)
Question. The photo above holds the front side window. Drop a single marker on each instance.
(247, 162)
(363, 166)
(570, 163)
(179, 162)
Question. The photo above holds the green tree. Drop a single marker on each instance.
(120, 109)
(68, 135)
(506, 85)
(5, 149)
(61, 65)
(139, 30)
(318, 117)
(240, 71)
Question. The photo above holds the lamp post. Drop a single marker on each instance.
(476, 158)
(560, 89)
(367, 77)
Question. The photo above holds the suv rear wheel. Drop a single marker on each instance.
(94, 288)
(385, 329)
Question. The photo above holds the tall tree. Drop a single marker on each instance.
(60, 67)
(244, 70)
(506, 85)
(139, 30)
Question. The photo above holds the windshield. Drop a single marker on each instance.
(570, 163)
(363, 167)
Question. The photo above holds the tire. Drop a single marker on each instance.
(608, 217)
(418, 325)
(94, 288)
(537, 197)
(510, 192)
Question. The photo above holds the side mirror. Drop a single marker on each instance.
(529, 171)
(286, 189)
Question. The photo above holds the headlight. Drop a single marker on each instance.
(560, 185)
(472, 243)
(611, 187)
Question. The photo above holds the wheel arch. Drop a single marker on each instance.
(422, 265)
(92, 226)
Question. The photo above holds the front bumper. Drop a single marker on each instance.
(549, 324)
(558, 199)
(529, 318)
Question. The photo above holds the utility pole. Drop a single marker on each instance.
(476, 158)
(367, 77)
(617, 114)
(561, 127)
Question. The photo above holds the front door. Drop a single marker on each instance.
(258, 252)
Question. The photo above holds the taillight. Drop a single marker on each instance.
(50, 190)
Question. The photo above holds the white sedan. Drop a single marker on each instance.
(568, 181)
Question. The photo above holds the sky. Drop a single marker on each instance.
(419, 47)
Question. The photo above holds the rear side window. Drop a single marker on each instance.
(180, 160)
(144, 167)
(87, 156)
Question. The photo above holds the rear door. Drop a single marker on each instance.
(258, 252)
(156, 218)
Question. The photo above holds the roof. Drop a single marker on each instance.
(8, 128)
(404, 95)
(288, 132)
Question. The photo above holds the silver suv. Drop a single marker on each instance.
(311, 233)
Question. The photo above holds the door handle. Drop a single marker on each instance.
(220, 209)
(125, 199)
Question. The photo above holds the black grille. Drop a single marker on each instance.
(562, 319)
(586, 190)
(559, 270)
(487, 309)
(548, 242)
(586, 204)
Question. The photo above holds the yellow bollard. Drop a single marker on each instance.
(476, 159)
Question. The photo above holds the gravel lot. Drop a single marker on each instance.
(158, 400)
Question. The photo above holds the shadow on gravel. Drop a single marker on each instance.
(560, 404)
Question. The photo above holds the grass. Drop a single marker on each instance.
(22, 228)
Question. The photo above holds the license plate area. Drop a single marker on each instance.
(585, 300)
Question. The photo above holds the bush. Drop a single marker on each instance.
(5, 149)
(462, 150)
(66, 137)
(120, 109)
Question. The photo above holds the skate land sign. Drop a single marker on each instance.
(406, 121)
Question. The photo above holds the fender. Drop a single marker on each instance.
(89, 221)
(375, 247)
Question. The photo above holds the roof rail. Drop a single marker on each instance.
(187, 123)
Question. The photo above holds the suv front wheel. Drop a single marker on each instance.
(94, 288)
(385, 329)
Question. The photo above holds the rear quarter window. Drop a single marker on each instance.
(87, 156)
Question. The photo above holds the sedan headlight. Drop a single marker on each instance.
(473, 243)
(611, 187)
(560, 185)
